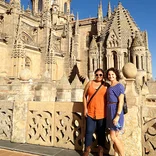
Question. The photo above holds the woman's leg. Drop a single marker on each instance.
(101, 127)
(115, 150)
(118, 145)
(90, 128)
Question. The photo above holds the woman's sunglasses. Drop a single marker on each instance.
(99, 75)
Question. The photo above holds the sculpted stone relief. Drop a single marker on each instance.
(55, 128)
(40, 127)
(149, 132)
(68, 130)
(28, 34)
(6, 114)
(26, 38)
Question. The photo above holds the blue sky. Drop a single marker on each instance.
(142, 11)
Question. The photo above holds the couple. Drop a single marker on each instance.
(104, 110)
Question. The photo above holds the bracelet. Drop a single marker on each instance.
(118, 114)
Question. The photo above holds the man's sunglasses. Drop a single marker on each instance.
(98, 74)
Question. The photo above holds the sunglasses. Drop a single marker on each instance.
(99, 75)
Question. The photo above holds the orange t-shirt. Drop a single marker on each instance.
(97, 106)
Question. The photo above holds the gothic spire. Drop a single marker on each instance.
(109, 11)
(77, 24)
(100, 12)
(93, 45)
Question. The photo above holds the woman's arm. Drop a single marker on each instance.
(120, 108)
(85, 94)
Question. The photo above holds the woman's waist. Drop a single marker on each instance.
(111, 102)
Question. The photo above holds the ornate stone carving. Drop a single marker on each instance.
(149, 133)
(6, 113)
(40, 127)
(68, 129)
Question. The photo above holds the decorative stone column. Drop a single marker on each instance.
(20, 107)
(108, 60)
(132, 136)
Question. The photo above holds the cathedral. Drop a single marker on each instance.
(48, 37)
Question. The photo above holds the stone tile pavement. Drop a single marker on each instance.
(15, 149)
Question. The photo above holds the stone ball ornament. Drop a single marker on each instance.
(25, 74)
(129, 70)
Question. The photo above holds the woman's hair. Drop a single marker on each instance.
(116, 71)
(99, 69)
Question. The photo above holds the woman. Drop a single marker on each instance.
(95, 111)
(115, 116)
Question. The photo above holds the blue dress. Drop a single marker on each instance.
(113, 92)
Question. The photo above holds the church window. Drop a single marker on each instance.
(93, 62)
(40, 5)
(65, 8)
(142, 63)
(125, 58)
(137, 61)
(115, 60)
(88, 39)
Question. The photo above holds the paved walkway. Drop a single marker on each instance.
(15, 149)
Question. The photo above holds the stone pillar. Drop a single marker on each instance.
(20, 109)
(120, 61)
(91, 71)
(111, 61)
(27, 92)
(90, 64)
(132, 136)
(108, 60)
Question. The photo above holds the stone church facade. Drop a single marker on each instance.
(50, 39)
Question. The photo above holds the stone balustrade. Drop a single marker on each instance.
(61, 124)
